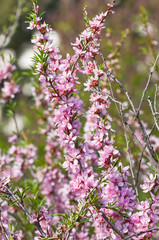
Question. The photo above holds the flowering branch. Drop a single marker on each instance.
(112, 225)
(138, 234)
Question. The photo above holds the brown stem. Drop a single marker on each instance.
(112, 225)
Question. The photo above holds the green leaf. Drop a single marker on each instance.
(152, 169)
(144, 15)
(53, 228)
(9, 113)
(42, 13)
(34, 1)
(86, 19)
(13, 203)
(84, 220)
(42, 202)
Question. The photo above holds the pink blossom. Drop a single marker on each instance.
(107, 155)
(149, 183)
(5, 71)
(9, 90)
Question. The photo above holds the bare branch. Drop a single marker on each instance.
(147, 84)
(153, 113)
(155, 97)
(110, 75)
(152, 155)
(121, 115)
(11, 29)
(138, 170)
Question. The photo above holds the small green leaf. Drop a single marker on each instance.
(53, 228)
(9, 113)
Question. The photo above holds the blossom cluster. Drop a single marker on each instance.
(8, 86)
(17, 159)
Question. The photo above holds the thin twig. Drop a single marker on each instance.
(138, 170)
(153, 113)
(110, 75)
(155, 97)
(11, 29)
(120, 112)
(147, 84)
(146, 140)
(116, 101)
(141, 157)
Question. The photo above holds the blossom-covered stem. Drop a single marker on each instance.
(3, 229)
(138, 234)
(14, 198)
(112, 225)
(51, 84)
